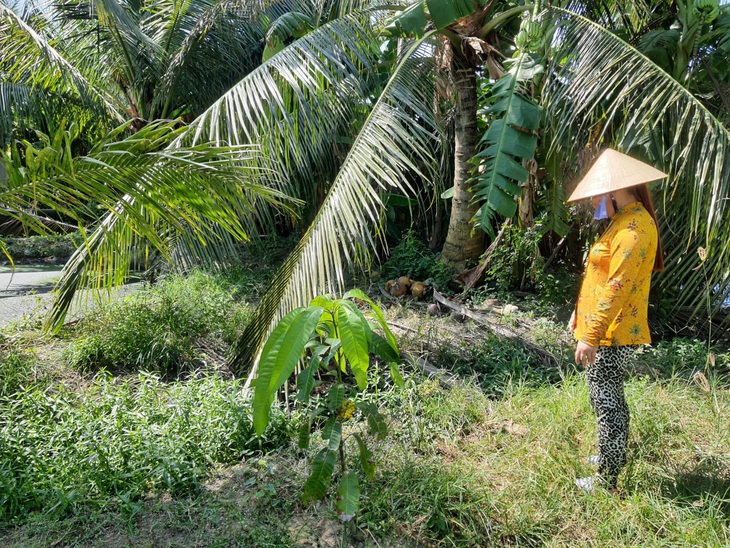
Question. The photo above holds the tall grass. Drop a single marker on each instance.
(469, 470)
(158, 329)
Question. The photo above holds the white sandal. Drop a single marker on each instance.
(588, 484)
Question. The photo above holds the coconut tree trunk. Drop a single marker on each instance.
(463, 243)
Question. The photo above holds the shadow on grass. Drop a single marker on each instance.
(707, 484)
(498, 366)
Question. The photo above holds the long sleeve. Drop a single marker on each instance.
(626, 267)
(613, 303)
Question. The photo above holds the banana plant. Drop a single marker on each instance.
(510, 140)
(334, 339)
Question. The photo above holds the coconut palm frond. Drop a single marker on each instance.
(27, 58)
(218, 248)
(644, 110)
(239, 36)
(628, 17)
(16, 101)
(298, 102)
(185, 190)
(288, 106)
(395, 143)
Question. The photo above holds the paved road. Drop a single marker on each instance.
(26, 293)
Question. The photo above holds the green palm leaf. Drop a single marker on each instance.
(597, 72)
(27, 58)
(297, 102)
(237, 30)
(255, 110)
(398, 133)
(194, 192)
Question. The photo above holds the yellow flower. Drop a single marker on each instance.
(347, 410)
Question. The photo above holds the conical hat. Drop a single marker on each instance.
(611, 171)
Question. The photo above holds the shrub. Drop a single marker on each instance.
(60, 246)
(336, 339)
(157, 329)
(412, 258)
(682, 358)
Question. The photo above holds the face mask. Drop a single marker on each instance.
(601, 212)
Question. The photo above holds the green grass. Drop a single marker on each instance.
(128, 452)
(159, 329)
(62, 450)
(460, 468)
(471, 471)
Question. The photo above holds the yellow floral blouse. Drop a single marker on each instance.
(614, 297)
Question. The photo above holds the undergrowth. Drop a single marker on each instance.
(87, 459)
(62, 450)
(412, 258)
(42, 247)
(158, 329)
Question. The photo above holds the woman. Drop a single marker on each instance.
(610, 318)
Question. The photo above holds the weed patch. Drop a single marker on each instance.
(118, 441)
(413, 259)
(157, 330)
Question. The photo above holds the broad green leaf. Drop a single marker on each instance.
(445, 12)
(523, 114)
(398, 200)
(506, 143)
(335, 397)
(272, 48)
(324, 301)
(332, 432)
(376, 313)
(315, 488)
(306, 381)
(380, 347)
(355, 336)
(348, 496)
(305, 430)
(366, 457)
(395, 374)
(409, 22)
(557, 213)
(279, 359)
(508, 140)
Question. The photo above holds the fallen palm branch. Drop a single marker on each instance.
(547, 358)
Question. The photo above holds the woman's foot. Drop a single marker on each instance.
(591, 483)
(588, 484)
(593, 460)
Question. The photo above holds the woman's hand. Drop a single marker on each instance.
(571, 322)
(585, 354)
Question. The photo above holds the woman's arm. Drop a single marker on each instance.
(632, 255)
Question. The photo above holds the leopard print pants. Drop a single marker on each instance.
(606, 389)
